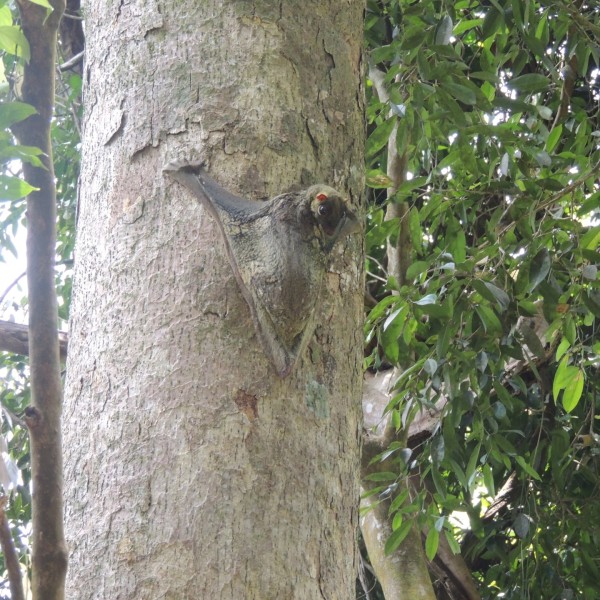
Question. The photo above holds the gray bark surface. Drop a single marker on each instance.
(191, 469)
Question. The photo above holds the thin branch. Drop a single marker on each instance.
(11, 286)
(11, 559)
(74, 60)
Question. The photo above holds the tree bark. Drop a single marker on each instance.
(192, 471)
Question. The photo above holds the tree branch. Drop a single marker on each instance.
(15, 338)
(49, 555)
(11, 559)
(398, 253)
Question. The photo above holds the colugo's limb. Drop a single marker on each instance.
(278, 252)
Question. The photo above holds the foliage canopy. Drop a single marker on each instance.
(492, 109)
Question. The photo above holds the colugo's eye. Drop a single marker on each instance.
(324, 210)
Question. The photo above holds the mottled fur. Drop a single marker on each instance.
(278, 252)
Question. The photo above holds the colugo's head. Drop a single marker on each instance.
(332, 216)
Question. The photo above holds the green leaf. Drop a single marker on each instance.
(472, 464)
(14, 42)
(533, 342)
(562, 377)
(414, 225)
(591, 239)
(379, 138)
(425, 300)
(527, 468)
(13, 112)
(430, 366)
(488, 480)
(397, 537)
(466, 25)
(454, 545)
(382, 476)
(553, 138)
(573, 391)
(562, 348)
(532, 82)
(399, 501)
(517, 6)
(489, 319)
(493, 20)
(377, 179)
(460, 92)
(444, 31)
(457, 245)
(380, 309)
(408, 186)
(396, 316)
(432, 542)
(521, 525)
(416, 268)
(499, 410)
(493, 293)
(13, 188)
(539, 268)
(43, 3)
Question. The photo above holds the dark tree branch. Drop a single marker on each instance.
(49, 555)
(15, 338)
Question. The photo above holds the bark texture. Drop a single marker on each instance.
(192, 471)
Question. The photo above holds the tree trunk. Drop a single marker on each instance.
(192, 470)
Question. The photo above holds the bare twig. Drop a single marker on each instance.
(11, 286)
(74, 60)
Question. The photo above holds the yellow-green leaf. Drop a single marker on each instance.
(572, 393)
(432, 542)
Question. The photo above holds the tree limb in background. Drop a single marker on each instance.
(49, 555)
(15, 338)
(398, 253)
(11, 559)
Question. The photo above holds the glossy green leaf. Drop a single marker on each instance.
(532, 82)
(553, 138)
(397, 537)
(432, 542)
(444, 31)
(573, 391)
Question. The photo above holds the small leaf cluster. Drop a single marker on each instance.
(493, 109)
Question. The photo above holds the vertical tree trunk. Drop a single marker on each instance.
(192, 471)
